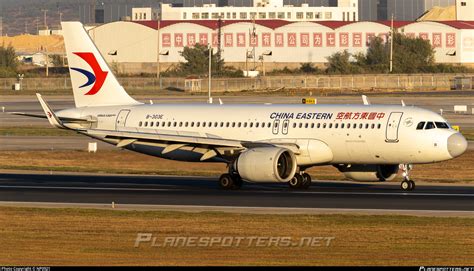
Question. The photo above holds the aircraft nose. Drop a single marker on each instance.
(457, 145)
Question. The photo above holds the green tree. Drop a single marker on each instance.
(340, 63)
(197, 61)
(411, 55)
(308, 67)
(377, 58)
(8, 58)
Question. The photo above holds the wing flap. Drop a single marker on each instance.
(174, 140)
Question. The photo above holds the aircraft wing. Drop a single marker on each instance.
(43, 116)
(209, 147)
(49, 114)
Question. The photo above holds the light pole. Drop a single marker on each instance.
(210, 74)
(158, 68)
(391, 45)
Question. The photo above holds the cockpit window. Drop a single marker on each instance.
(442, 125)
(430, 125)
(420, 125)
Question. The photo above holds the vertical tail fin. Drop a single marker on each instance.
(93, 83)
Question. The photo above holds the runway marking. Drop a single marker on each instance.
(260, 191)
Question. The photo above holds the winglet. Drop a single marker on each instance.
(52, 118)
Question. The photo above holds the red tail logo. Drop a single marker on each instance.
(97, 77)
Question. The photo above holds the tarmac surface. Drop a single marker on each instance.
(188, 192)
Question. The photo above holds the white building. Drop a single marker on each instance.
(347, 10)
(145, 14)
(465, 10)
(291, 43)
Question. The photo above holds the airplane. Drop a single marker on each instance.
(259, 143)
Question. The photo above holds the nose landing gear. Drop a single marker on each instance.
(407, 184)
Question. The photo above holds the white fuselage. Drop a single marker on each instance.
(327, 134)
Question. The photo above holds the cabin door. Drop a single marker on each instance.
(391, 134)
(121, 119)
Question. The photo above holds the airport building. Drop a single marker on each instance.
(346, 10)
(133, 46)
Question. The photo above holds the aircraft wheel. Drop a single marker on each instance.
(296, 182)
(407, 185)
(306, 181)
(237, 181)
(226, 182)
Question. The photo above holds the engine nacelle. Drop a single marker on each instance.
(266, 164)
(380, 173)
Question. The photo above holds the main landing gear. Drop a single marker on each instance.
(407, 184)
(230, 182)
(301, 180)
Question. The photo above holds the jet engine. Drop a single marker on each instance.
(266, 164)
(380, 173)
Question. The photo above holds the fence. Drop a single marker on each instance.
(345, 82)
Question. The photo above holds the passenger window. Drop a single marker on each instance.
(324, 125)
(336, 125)
(209, 124)
(429, 125)
(361, 126)
(373, 126)
(420, 125)
(312, 125)
(354, 125)
(257, 124)
(319, 125)
(239, 125)
(269, 125)
(146, 123)
(175, 124)
(379, 126)
(216, 124)
(251, 124)
(348, 126)
(300, 125)
(330, 125)
(366, 126)
(204, 124)
(157, 124)
(151, 123)
(342, 125)
(227, 124)
(222, 124)
(180, 124)
(442, 125)
(198, 124)
(169, 123)
(192, 124)
(306, 125)
(233, 124)
(186, 124)
(140, 124)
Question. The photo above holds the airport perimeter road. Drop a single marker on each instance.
(199, 191)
